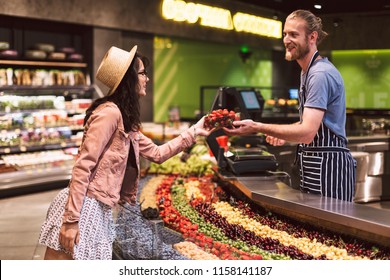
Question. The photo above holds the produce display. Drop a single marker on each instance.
(281, 105)
(185, 164)
(193, 251)
(220, 118)
(162, 132)
(236, 229)
(147, 198)
(213, 223)
(183, 196)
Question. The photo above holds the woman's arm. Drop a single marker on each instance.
(155, 153)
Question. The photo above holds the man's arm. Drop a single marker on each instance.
(303, 132)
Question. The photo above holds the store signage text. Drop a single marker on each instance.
(179, 10)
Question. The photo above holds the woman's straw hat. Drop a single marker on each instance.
(114, 66)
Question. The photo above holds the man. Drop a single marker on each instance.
(326, 165)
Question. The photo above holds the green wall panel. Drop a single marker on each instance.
(366, 76)
(181, 67)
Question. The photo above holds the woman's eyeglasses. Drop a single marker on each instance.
(143, 73)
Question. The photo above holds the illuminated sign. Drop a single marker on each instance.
(179, 10)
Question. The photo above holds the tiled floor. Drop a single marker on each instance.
(20, 221)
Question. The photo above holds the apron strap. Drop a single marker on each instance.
(325, 149)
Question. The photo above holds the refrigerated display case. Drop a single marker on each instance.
(41, 128)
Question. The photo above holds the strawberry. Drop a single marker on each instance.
(220, 118)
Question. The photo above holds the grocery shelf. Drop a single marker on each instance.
(19, 142)
(34, 180)
(56, 87)
(35, 148)
(43, 63)
(359, 220)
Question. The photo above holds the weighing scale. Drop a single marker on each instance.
(241, 161)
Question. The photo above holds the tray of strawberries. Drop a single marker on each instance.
(220, 118)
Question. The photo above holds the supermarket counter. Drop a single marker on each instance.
(366, 221)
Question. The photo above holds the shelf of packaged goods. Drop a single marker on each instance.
(17, 130)
(35, 148)
(44, 63)
(64, 88)
(56, 89)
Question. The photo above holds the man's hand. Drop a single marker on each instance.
(243, 127)
(274, 141)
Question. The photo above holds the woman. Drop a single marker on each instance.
(79, 223)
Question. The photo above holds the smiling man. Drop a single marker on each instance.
(326, 165)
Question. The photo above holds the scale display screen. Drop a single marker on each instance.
(250, 99)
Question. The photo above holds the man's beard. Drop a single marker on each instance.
(300, 52)
(288, 56)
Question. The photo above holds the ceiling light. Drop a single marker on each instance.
(318, 6)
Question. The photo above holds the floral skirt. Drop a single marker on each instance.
(97, 231)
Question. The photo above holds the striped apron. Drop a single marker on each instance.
(326, 166)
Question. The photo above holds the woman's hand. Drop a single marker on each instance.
(199, 128)
(69, 236)
(127, 200)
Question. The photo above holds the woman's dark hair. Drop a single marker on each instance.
(125, 96)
